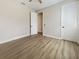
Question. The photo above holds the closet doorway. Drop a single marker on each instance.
(40, 23)
(69, 22)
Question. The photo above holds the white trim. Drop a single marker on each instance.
(57, 37)
(15, 38)
(52, 36)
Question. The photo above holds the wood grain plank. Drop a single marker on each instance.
(39, 47)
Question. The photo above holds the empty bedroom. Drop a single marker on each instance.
(39, 29)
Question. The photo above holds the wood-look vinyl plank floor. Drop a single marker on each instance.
(39, 47)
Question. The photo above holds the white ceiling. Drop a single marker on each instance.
(35, 5)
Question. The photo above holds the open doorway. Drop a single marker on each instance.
(40, 23)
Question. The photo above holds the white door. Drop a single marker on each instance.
(33, 23)
(69, 21)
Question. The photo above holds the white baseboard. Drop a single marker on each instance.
(57, 37)
(15, 38)
(52, 36)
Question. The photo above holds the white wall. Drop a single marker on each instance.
(52, 19)
(14, 20)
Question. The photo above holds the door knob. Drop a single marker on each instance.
(62, 26)
(30, 26)
(44, 24)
